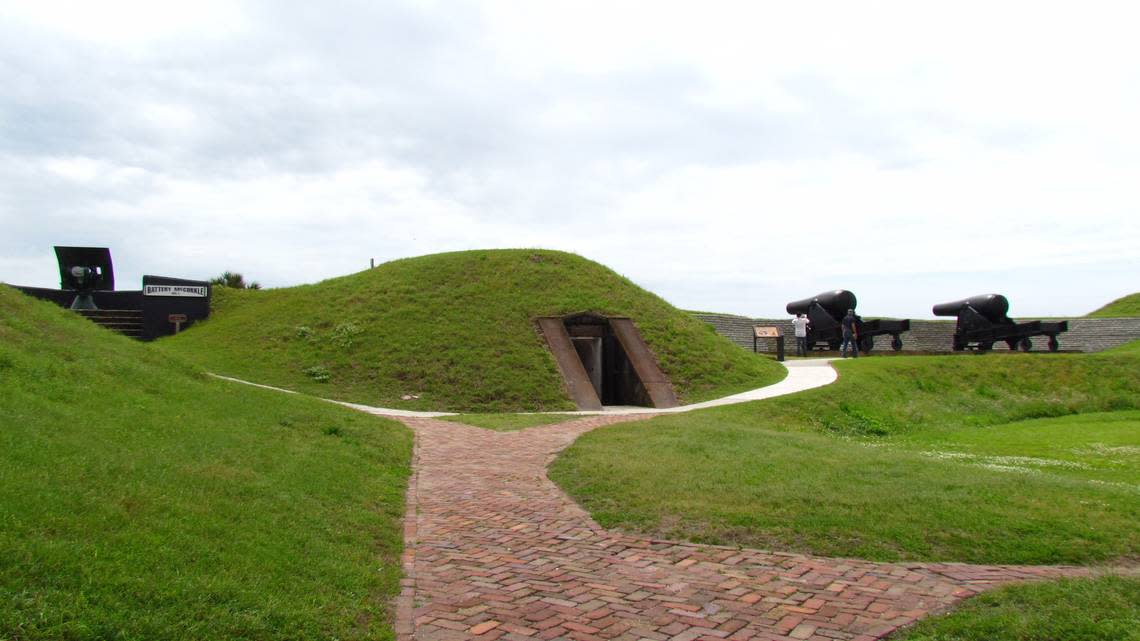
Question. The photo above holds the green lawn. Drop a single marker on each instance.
(510, 422)
(142, 499)
(1010, 458)
(1102, 609)
(452, 332)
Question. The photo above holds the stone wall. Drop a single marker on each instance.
(1084, 335)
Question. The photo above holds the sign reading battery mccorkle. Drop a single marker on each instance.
(189, 291)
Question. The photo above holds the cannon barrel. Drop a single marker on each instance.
(992, 306)
(835, 302)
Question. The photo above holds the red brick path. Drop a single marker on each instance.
(496, 551)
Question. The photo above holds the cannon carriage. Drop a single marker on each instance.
(983, 321)
(825, 311)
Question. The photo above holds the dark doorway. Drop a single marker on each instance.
(590, 352)
(605, 361)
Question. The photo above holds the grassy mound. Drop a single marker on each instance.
(1120, 308)
(1010, 458)
(142, 499)
(452, 332)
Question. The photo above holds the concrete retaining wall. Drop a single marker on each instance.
(1084, 335)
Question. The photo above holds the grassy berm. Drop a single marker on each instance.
(997, 458)
(142, 499)
(452, 332)
(1125, 306)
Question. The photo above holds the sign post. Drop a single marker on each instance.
(177, 319)
(769, 332)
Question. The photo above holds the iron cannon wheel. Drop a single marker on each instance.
(1025, 344)
(1054, 344)
(896, 343)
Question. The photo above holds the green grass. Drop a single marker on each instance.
(509, 422)
(1132, 348)
(1122, 307)
(1101, 609)
(452, 332)
(143, 499)
(1012, 458)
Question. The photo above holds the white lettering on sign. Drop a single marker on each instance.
(193, 291)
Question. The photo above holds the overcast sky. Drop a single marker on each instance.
(726, 156)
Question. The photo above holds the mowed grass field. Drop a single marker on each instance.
(142, 499)
(1000, 458)
(1100, 609)
(452, 332)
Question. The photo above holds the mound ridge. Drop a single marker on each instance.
(1124, 306)
(452, 331)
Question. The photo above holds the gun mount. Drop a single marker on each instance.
(826, 311)
(982, 321)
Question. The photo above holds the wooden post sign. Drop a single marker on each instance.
(769, 332)
(177, 319)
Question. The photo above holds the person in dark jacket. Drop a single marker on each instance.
(851, 323)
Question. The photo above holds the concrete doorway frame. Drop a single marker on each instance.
(580, 343)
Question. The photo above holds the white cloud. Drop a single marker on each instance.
(733, 157)
(126, 22)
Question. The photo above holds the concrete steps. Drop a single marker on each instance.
(128, 322)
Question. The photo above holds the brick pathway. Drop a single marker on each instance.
(496, 551)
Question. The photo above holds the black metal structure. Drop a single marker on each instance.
(164, 306)
(96, 260)
(826, 312)
(982, 321)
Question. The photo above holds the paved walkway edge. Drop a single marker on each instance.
(802, 375)
(404, 625)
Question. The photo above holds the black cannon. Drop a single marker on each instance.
(826, 312)
(982, 321)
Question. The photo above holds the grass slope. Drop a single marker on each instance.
(1122, 307)
(142, 499)
(1011, 458)
(454, 331)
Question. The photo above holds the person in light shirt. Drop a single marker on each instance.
(800, 323)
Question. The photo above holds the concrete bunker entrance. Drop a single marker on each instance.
(607, 366)
(604, 361)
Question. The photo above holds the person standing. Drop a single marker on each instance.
(851, 324)
(800, 324)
